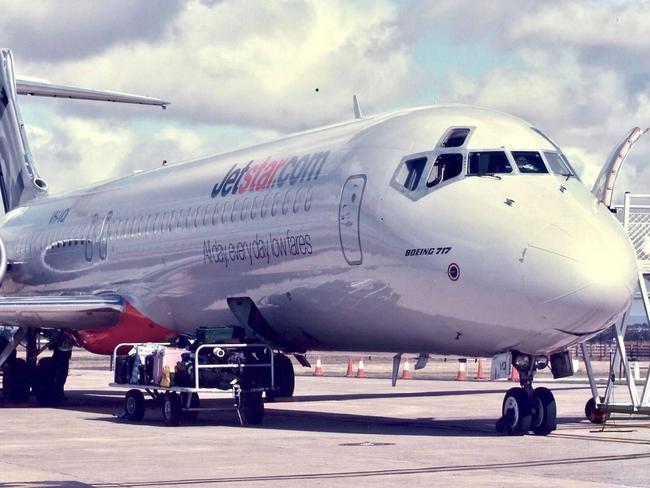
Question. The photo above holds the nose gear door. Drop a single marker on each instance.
(349, 216)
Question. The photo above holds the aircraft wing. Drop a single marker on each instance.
(44, 88)
(62, 312)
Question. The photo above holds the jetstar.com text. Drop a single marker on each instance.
(270, 174)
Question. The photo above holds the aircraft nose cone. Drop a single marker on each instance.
(580, 281)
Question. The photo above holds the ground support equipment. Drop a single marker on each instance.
(636, 222)
(182, 403)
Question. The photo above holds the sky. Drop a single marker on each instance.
(242, 72)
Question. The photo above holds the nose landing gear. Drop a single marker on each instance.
(525, 409)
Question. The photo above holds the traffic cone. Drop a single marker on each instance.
(514, 374)
(319, 368)
(480, 374)
(406, 372)
(361, 370)
(462, 370)
(349, 373)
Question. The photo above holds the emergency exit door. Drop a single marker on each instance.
(349, 217)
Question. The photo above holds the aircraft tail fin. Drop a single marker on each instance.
(19, 180)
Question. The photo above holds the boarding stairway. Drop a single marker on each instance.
(636, 222)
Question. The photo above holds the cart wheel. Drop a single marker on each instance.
(172, 409)
(195, 402)
(252, 408)
(595, 415)
(134, 406)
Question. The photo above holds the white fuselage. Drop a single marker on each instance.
(335, 251)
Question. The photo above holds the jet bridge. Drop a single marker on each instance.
(636, 222)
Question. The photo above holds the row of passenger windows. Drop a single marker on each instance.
(450, 165)
(215, 213)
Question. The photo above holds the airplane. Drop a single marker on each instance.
(447, 229)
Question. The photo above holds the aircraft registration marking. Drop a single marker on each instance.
(58, 216)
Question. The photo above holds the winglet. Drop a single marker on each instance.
(604, 186)
(357, 107)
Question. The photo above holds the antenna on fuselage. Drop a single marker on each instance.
(357, 107)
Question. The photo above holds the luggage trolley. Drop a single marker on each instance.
(182, 403)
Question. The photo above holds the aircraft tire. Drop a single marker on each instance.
(593, 414)
(47, 386)
(195, 402)
(517, 412)
(284, 377)
(16, 381)
(252, 410)
(134, 405)
(544, 412)
(172, 409)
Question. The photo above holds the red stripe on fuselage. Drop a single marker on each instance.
(132, 327)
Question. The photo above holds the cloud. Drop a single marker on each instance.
(74, 151)
(50, 31)
(580, 71)
(277, 65)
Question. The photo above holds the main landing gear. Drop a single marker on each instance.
(45, 377)
(526, 409)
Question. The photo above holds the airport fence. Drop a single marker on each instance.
(636, 351)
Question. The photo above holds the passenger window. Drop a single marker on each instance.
(245, 209)
(255, 207)
(410, 173)
(216, 214)
(276, 204)
(446, 167)
(529, 162)
(225, 215)
(300, 195)
(235, 210)
(287, 202)
(488, 163)
(455, 138)
(206, 215)
(265, 205)
(197, 216)
(557, 164)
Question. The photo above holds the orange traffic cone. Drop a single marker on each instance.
(462, 370)
(361, 370)
(349, 373)
(480, 374)
(514, 374)
(319, 368)
(406, 372)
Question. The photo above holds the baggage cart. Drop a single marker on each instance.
(182, 403)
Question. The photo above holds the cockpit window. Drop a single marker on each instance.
(488, 162)
(529, 162)
(456, 137)
(557, 164)
(446, 167)
(411, 172)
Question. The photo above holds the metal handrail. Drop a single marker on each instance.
(198, 366)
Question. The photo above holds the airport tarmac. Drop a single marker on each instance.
(337, 431)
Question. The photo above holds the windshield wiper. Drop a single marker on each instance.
(489, 175)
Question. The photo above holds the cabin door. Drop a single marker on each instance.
(349, 217)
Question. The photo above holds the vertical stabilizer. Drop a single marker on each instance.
(19, 180)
